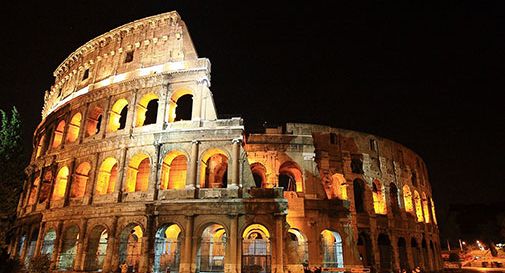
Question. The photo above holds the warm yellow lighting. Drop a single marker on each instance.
(73, 128)
(293, 171)
(379, 198)
(115, 115)
(172, 232)
(58, 134)
(433, 215)
(60, 185)
(140, 116)
(425, 208)
(81, 176)
(173, 102)
(32, 198)
(174, 171)
(107, 176)
(214, 166)
(137, 178)
(407, 199)
(419, 209)
(92, 126)
(256, 228)
(40, 146)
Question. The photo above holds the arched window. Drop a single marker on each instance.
(137, 178)
(117, 116)
(20, 245)
(379, 200)
(181, 104)
(48, 242)
(426, 209)
(419, 208)
(416, 251)
(30, 251)
(290, 177)
(74, 128)
(167, 245)
(335, 186)
(58, 134)
(365, 249)
(107, 176)
(60, 186)
(94, 121)
(45, 187)
(174, 171)
(32, 199)
(359, 192)
(259, 174)
(433, 211)
(68, 249)
(97, 249)
(402, 251)
(147, 110)
(386, 254)
(407, 199)
(393, 196)
(130, 246)
(211, 249)
(331, 246)
(256, 254)
(41, 146)
(214, 170)
(414, 179)
(80, 180)
(298, 249)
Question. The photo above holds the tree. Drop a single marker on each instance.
(12, 163)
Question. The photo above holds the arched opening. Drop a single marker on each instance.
(426, 209)
(32, 198)
(181, 104)
(68, 249)
(74, 128)
(337, 187)
(117, 115)
(174, 171)
(147, 110)
(419, 208)
(256, 256)
(331, 244)
(298, 249)
(426, 259)
(359, 194)
(41, 146)
(81, 176)
(167, 247)
(379, 199)
(20, 245)
(259, 174)
(48, 242)
(433, 215)
(107, 176)
(58, 134)
(393, 196)
(416, 252)
(137, 178)
(94, 121)
(214, 170)
(60, 186)
(402, 252)
(45, 186)
(130, 246)
(407, 199)
(385, 251)
(413, 179)
(30, 251)
(365, 249)
(290, 177)
(211, 249)
(97, 248)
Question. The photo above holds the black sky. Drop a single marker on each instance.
(427, 75)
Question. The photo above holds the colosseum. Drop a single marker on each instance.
(133, 171)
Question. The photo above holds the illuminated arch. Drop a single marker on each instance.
(94, 121)
(211, 249)
(256, 249)
(97, 248)
(130, 245)
(426, 209)
(48, 242)
(298, 246)
(32, 198)
(137, 177)
(147, 110)
(174, 171)
(433, 211)
(407, 199)
(45, 186)
(60, 185)
(58, 134)
(74, 128)
(214, 169)
(40, 146)
(167, 246)
(379, 198)
(117, 115)
(80, 180)
(419, 208)
(259, 174)
(290, 177)
(331, 246)
(107, 176)
(172, 107)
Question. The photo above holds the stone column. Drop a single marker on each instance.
(233, 253)
(57, 244)
(111, 248)
(235, 167)
(81, 245)
(146, 260)
(186, 254)
(40, 239)
(279, 242)
(395, 254)
(193, 166)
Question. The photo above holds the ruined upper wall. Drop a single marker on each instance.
(140, 47)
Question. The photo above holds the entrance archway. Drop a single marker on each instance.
(68, 249)
(256, 254)
(97, 248)
(331, 244)
(386, 253)
(298, 248)
(211, 249)
(130, 247)
(167, 245)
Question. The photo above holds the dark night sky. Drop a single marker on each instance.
(429, 76)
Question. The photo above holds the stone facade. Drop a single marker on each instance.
(128, 173)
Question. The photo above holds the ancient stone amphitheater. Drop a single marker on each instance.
(133, 170)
